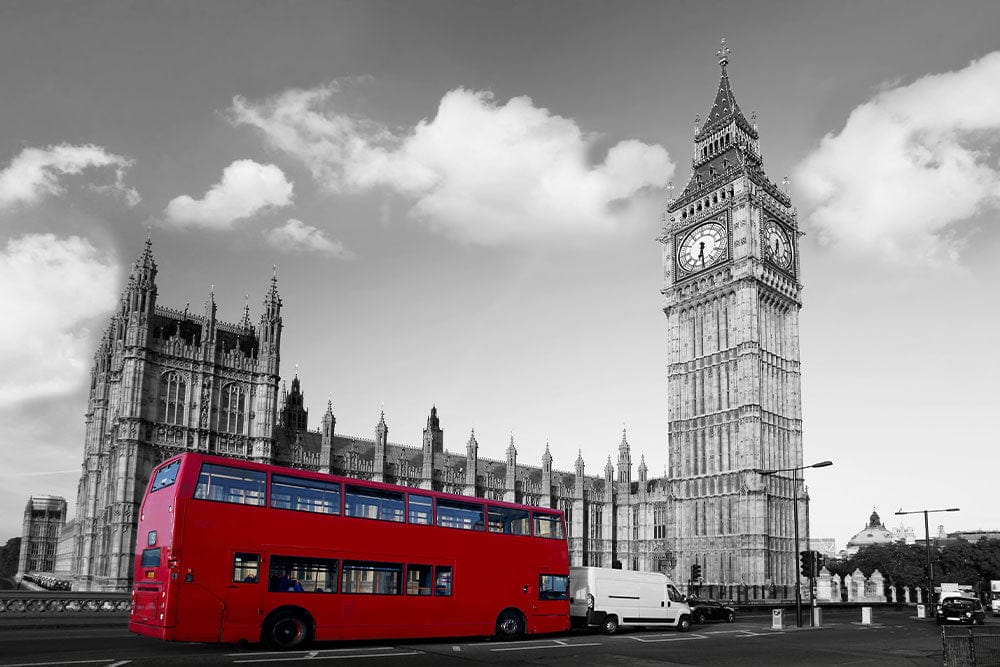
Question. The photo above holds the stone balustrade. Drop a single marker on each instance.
(53, 602)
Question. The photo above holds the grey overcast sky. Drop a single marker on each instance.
(462, 198)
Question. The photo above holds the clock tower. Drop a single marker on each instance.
(732, 298)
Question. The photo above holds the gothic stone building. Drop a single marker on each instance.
(166, 380)
(44, 518)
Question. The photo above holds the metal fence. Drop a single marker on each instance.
(974, 646)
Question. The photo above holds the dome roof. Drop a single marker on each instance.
(873, 533)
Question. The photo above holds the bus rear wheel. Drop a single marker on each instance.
(510, 625)
(287, 629)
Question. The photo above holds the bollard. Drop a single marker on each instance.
(777, 619)
(921, 611)
(817, 617)
(866, 616)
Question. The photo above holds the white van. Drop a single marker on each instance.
(610, 599)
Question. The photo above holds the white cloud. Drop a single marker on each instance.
(479, 171)
(911, 167)
(35, 173)
(296, 236)
(246, 188)
(52, 289)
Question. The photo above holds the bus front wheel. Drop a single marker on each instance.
(287, 629)
(510, 625)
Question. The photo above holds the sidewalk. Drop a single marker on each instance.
(70, 619)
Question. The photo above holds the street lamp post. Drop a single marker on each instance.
(927, 550)
(795, 520)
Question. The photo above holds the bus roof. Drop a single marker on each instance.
(311, 474)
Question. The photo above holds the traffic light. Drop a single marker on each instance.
(696, 572)
(806, 561)
(820, 562)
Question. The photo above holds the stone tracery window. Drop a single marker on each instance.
(232, 409)
(173, 393)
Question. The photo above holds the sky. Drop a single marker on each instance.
(461, 199)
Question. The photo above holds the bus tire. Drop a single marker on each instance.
(610, 625)
(287, 628)
(510, 624)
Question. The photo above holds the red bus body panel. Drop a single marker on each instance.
(191, 595)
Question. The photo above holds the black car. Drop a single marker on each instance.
(710, 610)
(961, 610)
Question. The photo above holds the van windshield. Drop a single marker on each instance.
(674, 594)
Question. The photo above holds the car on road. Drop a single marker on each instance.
(961, 610)
(710, 610)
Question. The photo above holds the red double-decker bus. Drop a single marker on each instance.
(229, 551)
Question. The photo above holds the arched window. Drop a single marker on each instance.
(232, 408)
(173, 393)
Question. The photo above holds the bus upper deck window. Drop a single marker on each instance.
(231, 485)
(548, 525)
(165, 476)
(509, 520)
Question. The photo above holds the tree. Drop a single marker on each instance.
(900, 564)
(9, 556)
(987, 558)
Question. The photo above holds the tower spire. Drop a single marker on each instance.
(723, 54)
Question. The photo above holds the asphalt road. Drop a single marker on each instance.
(895, 638)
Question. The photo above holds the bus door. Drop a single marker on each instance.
(242, 605)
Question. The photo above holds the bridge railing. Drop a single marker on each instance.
(59, 602)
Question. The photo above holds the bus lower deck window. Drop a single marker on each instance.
(553, 587)
(372, 578)
(442, 580)
(297, 574)
(245, 568)
(418, 579)
(151, 557)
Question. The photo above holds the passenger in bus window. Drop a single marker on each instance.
(287, 583)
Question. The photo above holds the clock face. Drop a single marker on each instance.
(777, 247)
(704, 246)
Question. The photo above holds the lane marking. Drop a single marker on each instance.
(330, 657)
(61, 662)
(325, 650)
(686, 638)
(533, 648)
(456, 648)
(119, 663)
